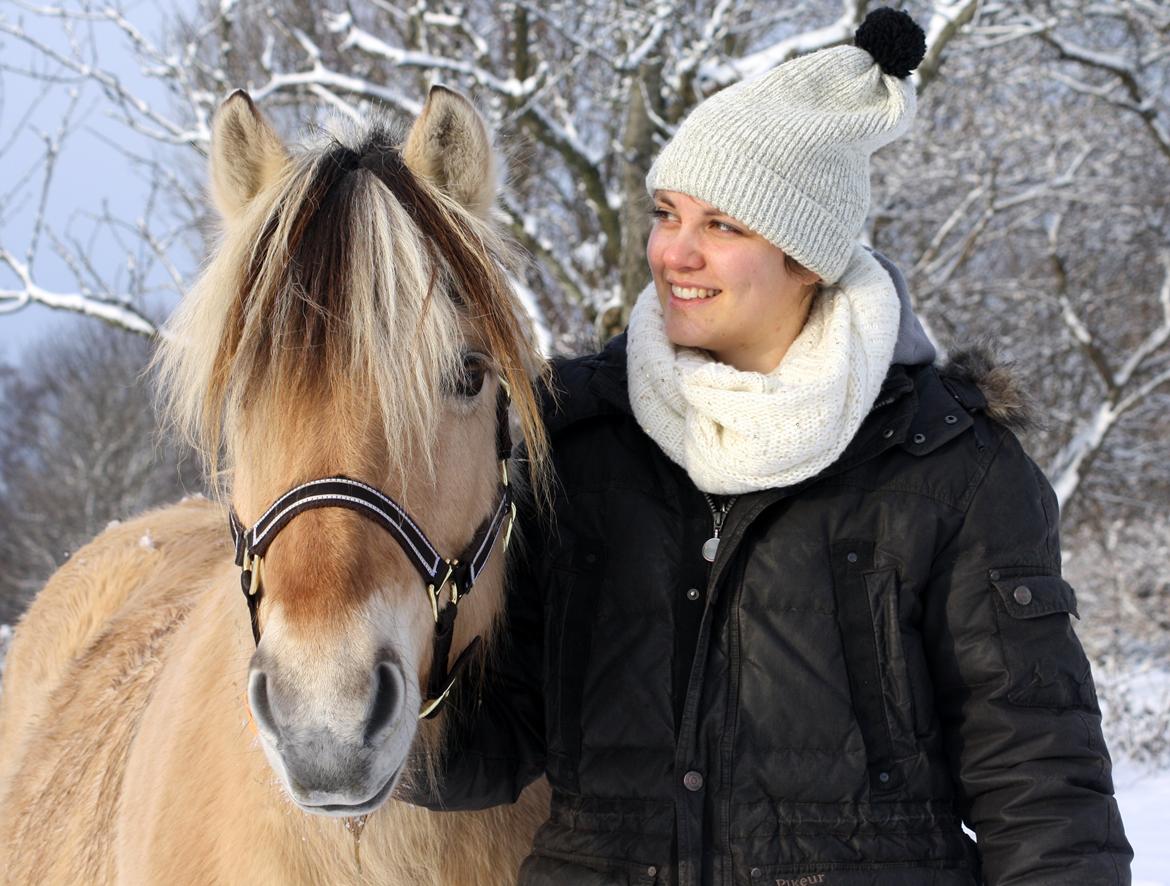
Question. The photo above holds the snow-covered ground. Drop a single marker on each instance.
(1144, 798)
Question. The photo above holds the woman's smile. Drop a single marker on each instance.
(689, 292)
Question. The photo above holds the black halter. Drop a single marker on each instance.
(438, 573)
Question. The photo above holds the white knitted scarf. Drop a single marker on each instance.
(737, 432)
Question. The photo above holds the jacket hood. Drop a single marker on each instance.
(914, 347)
(1006, 401)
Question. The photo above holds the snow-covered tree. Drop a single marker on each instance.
(79, 447)
(1029, 208)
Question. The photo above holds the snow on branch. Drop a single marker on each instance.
(358, 38)
(139, 114)
(946, 20)
(114, 311)
(1122, 394)
(649, 43)
(720, 74)
(524, 229)
(1158, 337)
(1139, 100)
(321, 78)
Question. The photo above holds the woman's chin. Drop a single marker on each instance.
(682, 333)
(690, 340)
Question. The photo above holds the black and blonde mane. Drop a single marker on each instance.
(349, 271)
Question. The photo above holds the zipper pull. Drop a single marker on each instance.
(718, 515)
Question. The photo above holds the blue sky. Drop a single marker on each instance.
(91, 172)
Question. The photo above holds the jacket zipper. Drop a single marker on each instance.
(718, 515)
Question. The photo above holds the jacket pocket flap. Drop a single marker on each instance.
(1031, 596)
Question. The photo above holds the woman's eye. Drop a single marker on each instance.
(726, 228)
(470, 379)
(659, 214)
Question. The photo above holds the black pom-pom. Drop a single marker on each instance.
(894, 40)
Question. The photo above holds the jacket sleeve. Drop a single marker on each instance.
(1014, 692)
(493, 743)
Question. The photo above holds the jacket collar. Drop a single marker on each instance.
(609, 380)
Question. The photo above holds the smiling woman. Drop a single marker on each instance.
(800, 614)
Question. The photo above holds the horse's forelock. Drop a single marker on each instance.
(333, 286)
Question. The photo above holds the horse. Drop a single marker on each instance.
(344, 364)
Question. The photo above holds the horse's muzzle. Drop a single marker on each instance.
(342, 757)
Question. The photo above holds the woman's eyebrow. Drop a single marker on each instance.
(707, 213)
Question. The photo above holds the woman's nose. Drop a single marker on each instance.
(683, 252)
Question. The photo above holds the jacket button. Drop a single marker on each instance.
(994, 574)
(693, 594)
(884, 777)
(888, 433)
(920, 438)
(951, 419)
(851, 557)
(693, 781)
(757, 873)
(1023, 595)
(651, 871)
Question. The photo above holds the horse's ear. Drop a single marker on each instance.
(449, 145)
(246, 154)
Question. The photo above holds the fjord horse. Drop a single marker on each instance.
(340, 365)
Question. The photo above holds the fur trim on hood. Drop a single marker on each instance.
(1007, 402)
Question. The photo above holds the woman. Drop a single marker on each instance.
(799, 613)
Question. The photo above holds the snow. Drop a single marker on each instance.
(1144, 798)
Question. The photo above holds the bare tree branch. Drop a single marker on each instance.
(108, 310)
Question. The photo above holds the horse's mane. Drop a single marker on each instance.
(348, 272)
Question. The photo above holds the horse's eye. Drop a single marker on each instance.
(470, 380)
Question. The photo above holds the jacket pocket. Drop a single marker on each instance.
(1046, 665)
(547, 867)
(574, 581)
(853, 561)
(893, 671)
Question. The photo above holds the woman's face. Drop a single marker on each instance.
(723, 287)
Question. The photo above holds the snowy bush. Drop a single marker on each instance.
(1123, 591)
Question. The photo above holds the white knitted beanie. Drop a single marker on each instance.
(787, 153)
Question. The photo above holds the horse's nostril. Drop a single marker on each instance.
(386, 707)
(260, 704)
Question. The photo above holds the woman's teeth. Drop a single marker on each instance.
(679, 292)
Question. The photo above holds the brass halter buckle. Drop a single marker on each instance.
(435, 703)
(252, 564)
(435, 592)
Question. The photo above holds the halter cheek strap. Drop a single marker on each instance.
(450, 579)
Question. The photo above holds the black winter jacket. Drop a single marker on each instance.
(875, 656)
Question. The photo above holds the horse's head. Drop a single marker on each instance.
(355, 322)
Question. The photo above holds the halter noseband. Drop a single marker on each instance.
(438, 573)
